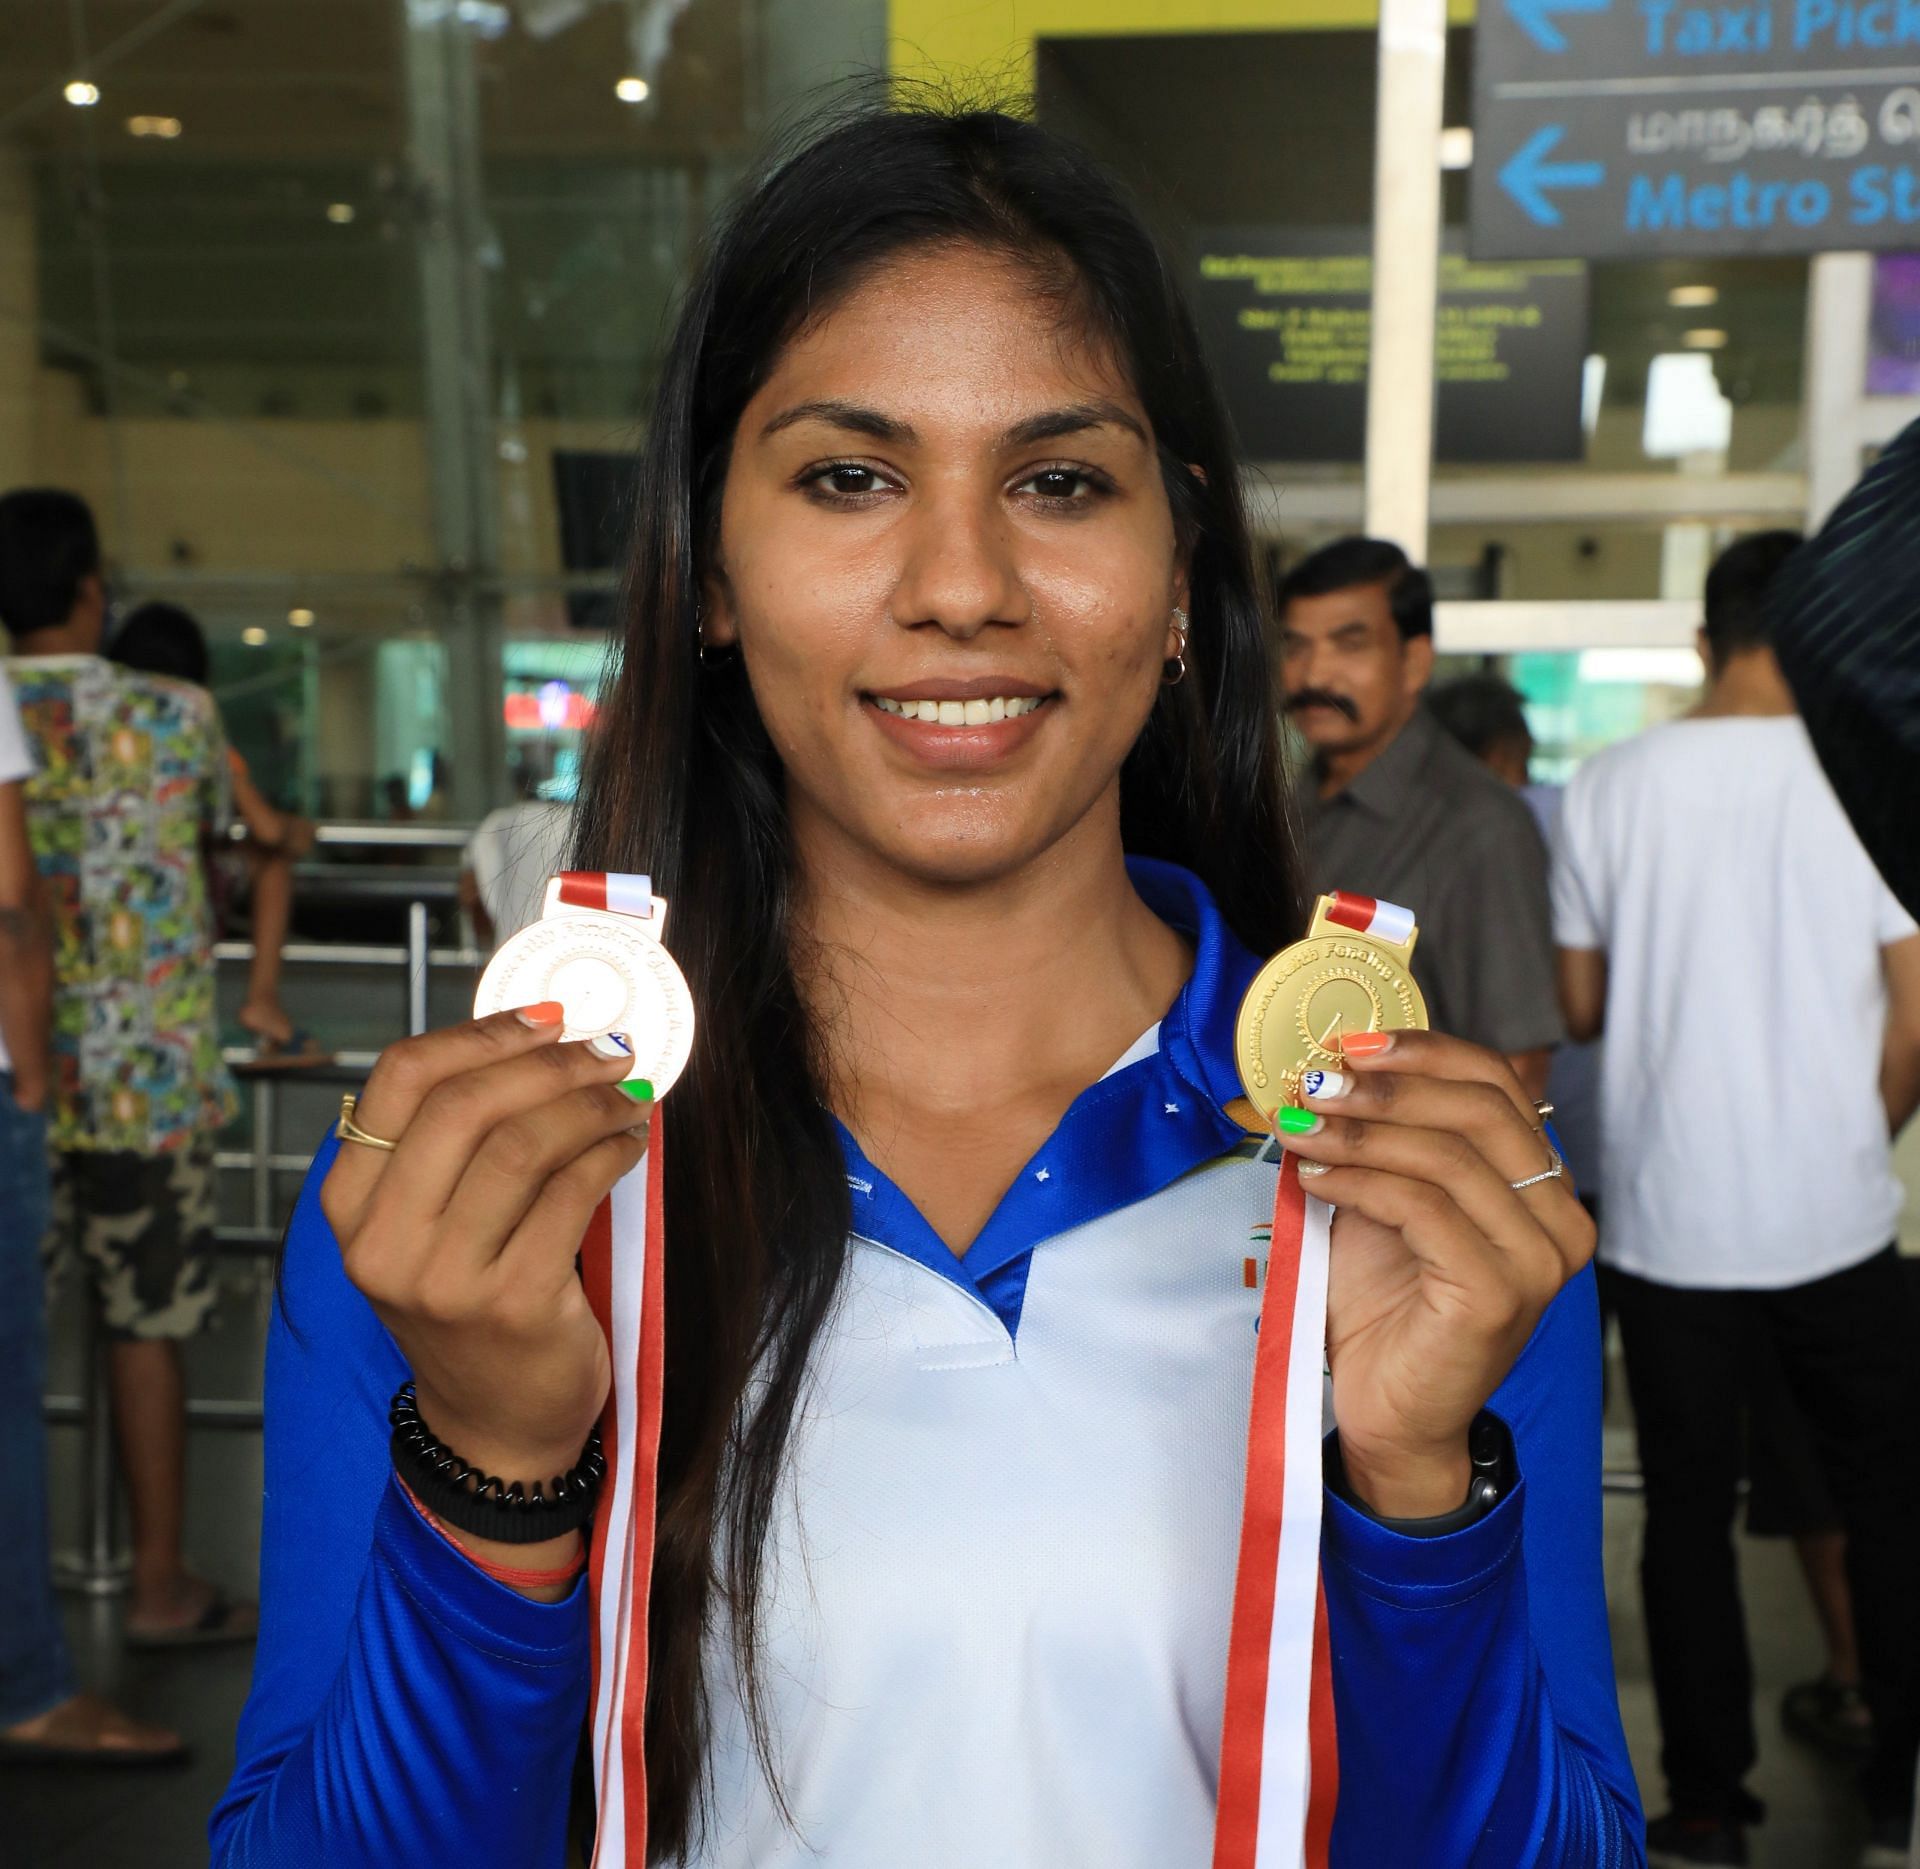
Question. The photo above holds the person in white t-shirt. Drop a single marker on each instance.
(512, 853)
(1756, 988)
(43, 1719)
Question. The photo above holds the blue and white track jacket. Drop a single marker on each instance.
(1002, 1577)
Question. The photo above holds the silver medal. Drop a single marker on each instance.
(609, 973)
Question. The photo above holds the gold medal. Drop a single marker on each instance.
(1349, 975)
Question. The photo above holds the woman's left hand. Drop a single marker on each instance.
(1440, 1267)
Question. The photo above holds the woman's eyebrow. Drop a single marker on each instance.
(847, 415)
(1052, 424)
(1048, 425)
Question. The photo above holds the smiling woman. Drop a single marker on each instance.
(945, 723)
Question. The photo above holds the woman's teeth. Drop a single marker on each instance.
(961, 713)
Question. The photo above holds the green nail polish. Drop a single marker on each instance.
(1296, 1122)
(638, 1089)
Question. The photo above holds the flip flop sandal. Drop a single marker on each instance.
(44, 1755)
(213, 1627)
(300, 1052)
(1830, 1717)
(53, 1750)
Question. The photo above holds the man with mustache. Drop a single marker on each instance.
(1391, 807)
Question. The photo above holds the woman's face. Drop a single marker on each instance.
(948, 559)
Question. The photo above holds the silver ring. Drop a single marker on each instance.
(1554, 1173)
(1543, 1109)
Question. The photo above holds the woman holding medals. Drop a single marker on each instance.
(925, 1523)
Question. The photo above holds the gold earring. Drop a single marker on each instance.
(1174, 670)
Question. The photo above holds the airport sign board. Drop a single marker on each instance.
(1634, 129)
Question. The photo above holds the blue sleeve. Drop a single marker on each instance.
(405, 1707)
(1473, 1674)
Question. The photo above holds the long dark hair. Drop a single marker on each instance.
(683, 783)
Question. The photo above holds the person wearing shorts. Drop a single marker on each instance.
(141, 1227)
(44, 1718)
(130, 779)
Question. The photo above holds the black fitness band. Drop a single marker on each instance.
(1495, 1474)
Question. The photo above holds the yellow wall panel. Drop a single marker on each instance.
(956, 37)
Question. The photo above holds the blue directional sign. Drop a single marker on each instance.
(1607, 129)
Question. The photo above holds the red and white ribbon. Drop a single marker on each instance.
(610, 890)
(1279, 1768)
(623, 1268)
(622, 1265)
(1384, 921)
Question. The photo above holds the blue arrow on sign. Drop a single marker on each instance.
(1528, 175)
(1536, 18)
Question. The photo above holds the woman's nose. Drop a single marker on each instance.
(960, 572)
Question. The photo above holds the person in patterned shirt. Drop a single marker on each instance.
(131, 775)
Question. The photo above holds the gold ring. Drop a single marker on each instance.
(350, 1131)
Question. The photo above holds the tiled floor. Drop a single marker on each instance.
(157, 1821)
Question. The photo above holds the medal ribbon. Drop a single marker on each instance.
(1279, 1768)
(1279, 1764)
(622, 1266)
(1381, 921)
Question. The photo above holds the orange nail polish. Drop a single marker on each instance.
(541, 1012)
(1365, 1044)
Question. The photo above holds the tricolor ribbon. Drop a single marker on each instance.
(1383, 921)
(1279, 1766)
(622, 1265)
(607, 890)
(623, 1268)
(1279, 1769)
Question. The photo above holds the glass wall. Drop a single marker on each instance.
(1669, 374)
(344, 316)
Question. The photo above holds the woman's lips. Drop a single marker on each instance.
(965, 745)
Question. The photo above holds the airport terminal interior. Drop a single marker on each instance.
(344, 316)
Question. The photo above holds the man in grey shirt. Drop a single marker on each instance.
(1390, 806)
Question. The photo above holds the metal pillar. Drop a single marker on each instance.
(1839, 309)
(419, 959)
(457, 257)
(262, 1167)
(1406, 270)
(99, 1566)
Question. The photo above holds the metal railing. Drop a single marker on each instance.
(98, 1566)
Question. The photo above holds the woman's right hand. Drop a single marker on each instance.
(464, 1238)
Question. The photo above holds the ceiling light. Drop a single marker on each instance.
(1456, 148)
(340, 212)
(1704, 339)
(254, 638)
(1693, 298)
(80, 93)
(300, 617)
(166, 128)
(632, 90)
(488, 18)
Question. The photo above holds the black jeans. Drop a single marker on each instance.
(1851, 1356)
